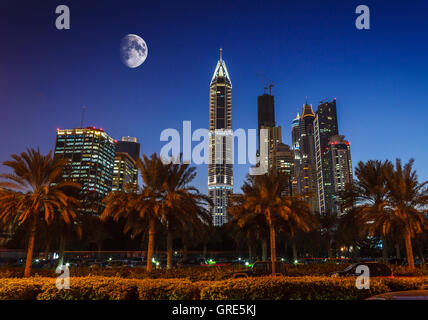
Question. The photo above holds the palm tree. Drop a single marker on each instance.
(141, 209)
(371, 194)
(407, 202)
(301, 220)
(184, 206)
(164, 199)
(263, 196)
(34, 192)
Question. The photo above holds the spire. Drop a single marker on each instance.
(221, 70)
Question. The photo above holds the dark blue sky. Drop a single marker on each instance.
(307, 48)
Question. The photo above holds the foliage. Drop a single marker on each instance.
(275, 288)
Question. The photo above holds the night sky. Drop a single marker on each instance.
(307, 48)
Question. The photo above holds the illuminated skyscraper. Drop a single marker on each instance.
(306, 171)
(90, 152)
(337, 172)
(284, 164)
(295, 147)
(325, 127)
(220, 168)
(125, 172)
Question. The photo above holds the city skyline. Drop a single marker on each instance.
(374, 88)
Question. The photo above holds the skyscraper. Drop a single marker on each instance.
(337, 172)
(265, 111)
(306, 171)
(326, 127)
(220, 168)
(295, 147)
(125, 172)
(90, 152)
(130, 146)
(284, 164)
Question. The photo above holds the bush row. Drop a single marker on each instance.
(196, 273)
(272, 288)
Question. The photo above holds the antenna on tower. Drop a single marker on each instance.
(221, 54)
(83, 116)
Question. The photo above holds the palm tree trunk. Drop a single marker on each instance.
(397, 250)
(421, 251)
(151, 245)
(30, 249)
(384, 250)
(61, 250)
(99, 247)
(264, 249)
(47, 249)
(204, 253)
(272, 248)
(329, 250)
(409, 251)
(169, 249)
(294, 250)
(184, 249)
(250, 251)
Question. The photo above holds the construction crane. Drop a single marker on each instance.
(266, 84)
(324, 100)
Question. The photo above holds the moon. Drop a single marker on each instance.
(133, 50)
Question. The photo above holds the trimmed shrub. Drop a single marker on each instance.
(168, 289)
(285, 288)
(20, 289)
(263, 288)
(91, 288)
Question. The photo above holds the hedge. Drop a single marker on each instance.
(196, 273)
(283, 288)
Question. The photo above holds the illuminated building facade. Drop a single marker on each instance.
(125, 172)
(337, 168)
(305, 162)
(220, 167)
(325, 126)
(91, 153)
(284, 164)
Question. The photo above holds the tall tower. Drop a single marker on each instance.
(307, 171)
(220, 167)
(325, 127)
(337, 172)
